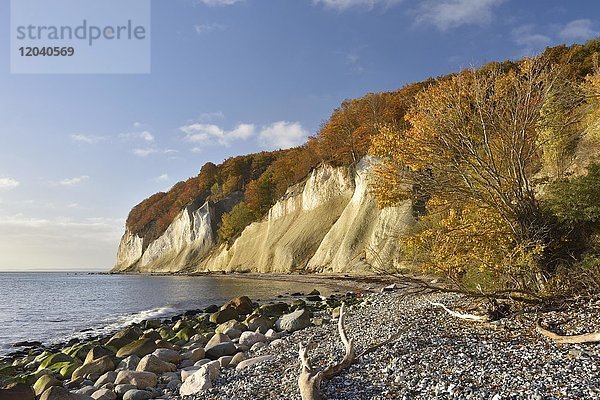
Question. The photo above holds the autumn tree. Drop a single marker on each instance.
(472, 148)
(234, 222)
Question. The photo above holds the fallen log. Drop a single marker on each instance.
(567, 339)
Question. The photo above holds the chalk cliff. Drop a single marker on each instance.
(328, 223)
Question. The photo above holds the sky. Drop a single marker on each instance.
(228, 77)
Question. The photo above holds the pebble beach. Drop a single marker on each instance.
(254, 353)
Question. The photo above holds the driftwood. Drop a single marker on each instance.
(470, 317)
(310, 379)
(585, 338)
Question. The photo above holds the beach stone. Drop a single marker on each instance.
(273, 309)
(108, 377)
(224, 361)
(140, 379)
(187, 372)
(217, 339)
(87, 390)
(130, 362)
(185, 333)
(104, 394)
(166, 332)
(44, 382)
(124, 337)
(151, 335)
(233, 333)
(220, 350)
(194, 355)
(154, 364)
(231, 324)
(136, 394)
(167, 355)
(259, 322)
(19, 391)
(120, 390)
(200, 363)
(174, 385)
(152, 323)
(277, 343)
(179, 325)
(237, 358)
(250, 338)
(199, 338)
(60, 393)
(272, 335)
(258, 346)
(97, 352)
(55, 359)
(197, 382)
(211, 309)
(186, 363)
(242, 305)
(94, 369)
(223, 316)
(140, 348)
(252, 361)
(163, 344)
(79, 351)
(294, 321)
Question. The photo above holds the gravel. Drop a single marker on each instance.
(436, 357)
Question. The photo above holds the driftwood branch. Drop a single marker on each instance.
(469, 317)
(585, 338)
(310, 379)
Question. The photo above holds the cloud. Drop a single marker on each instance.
(206, 28)
(144, 152)
(88, 139)
(73, 181)
(218, 3)
(211, 116)
(144, 135)
(530, 40)
(8, 184)
(446, 14)
(210, 134)
(579, 29)
(162, 178)
(282, 135)
(343, 5)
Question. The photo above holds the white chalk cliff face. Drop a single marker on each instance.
(329, 223)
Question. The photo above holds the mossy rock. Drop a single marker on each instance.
(273, 309)
(8, 370)
(55, 359)
(61, 365)
(22, 362)
(185, 333)
(165, 332)
(140, 348)
(94, 369)
(97, 352)
(45, 382)
(179, 325)
(78, 351)
(28, 379)
(124, 337)
(152, 334)
(223, 316)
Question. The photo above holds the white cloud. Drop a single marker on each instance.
(211, 116)
(343, 5)
(218, 3)
(206, 28)
(88, 139)
(143, 135)
(530, 40)
(74, 181)
(144, 152)
(162, 178)
(446, 14)
(8, 184)
(580, 29)
(282, 135)
(209, 133)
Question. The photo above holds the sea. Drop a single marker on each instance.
(55, 307)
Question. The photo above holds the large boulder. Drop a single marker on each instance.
(104, 394)
(273, 309)
(140, 348)
(55, 359)
(220, 350)
(168, 355)
(231, 324)
(154, 364)
(295, 321)
(44, 382)
(124, 337)
(108, 377)
(242, 305)
(60, 393)
(250, 338)
(223, 316)
(94, 369)
(194, 355)
(140, 379)
(136, 394)
(97, 352)
(130, 362)
(18, 391)
(259, 322)
(200, 380)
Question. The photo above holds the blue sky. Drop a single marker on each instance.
(228, 77)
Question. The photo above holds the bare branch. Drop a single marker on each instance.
(585, 338)
(470, 317)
